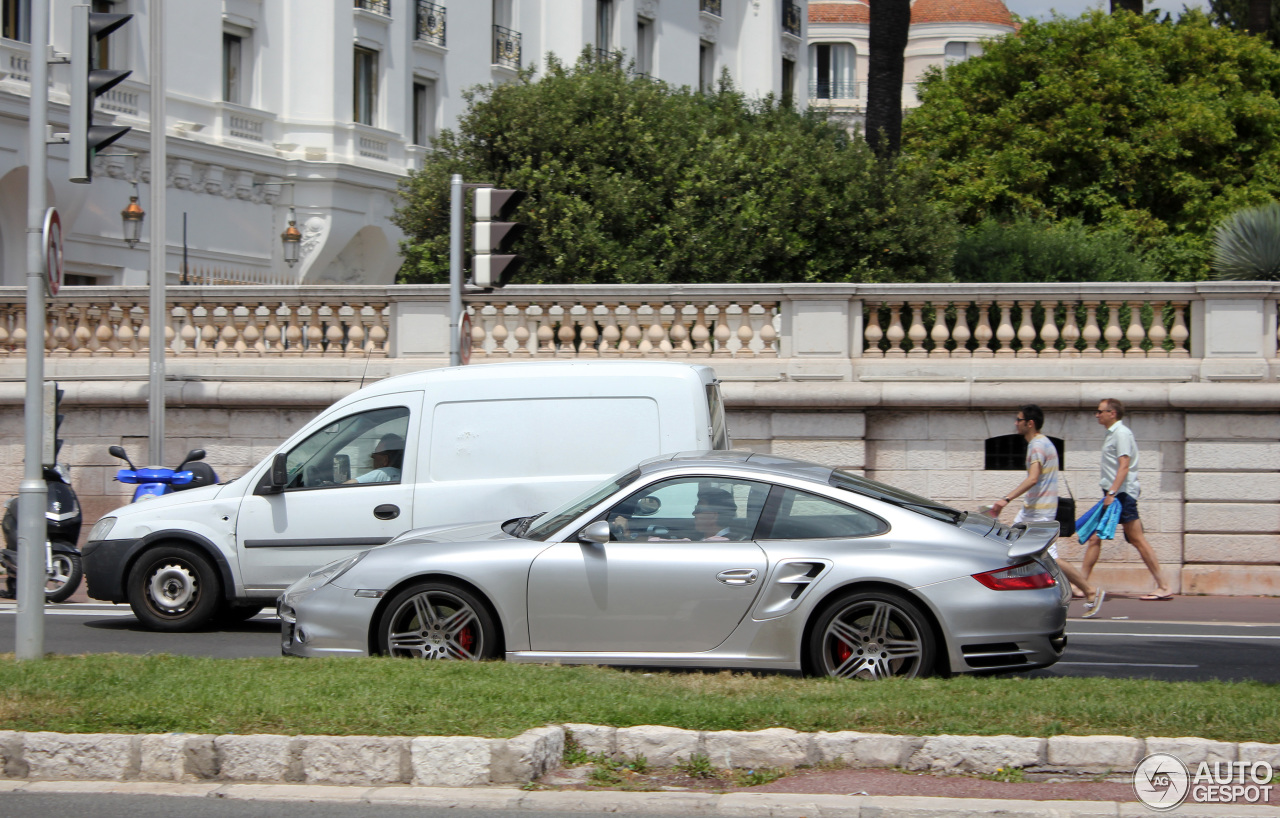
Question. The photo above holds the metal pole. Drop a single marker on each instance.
(158, 244)
(455, 269)
(32, 492)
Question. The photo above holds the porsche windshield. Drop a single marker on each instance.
(548, 524)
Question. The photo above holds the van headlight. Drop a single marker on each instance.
(101, 529)
(335, 569)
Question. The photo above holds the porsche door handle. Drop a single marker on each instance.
(738, 576)
(386, 511)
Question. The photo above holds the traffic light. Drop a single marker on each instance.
(52, 420)
(87, 84)
(492, 265)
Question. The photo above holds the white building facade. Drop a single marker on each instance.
(325, 105)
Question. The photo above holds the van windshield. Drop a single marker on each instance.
(550, 523)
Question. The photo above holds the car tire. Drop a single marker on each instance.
(437, 620)
(872, 635)
(174, 589)
(66, 579)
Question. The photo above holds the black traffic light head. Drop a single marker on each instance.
(492, 263)
(87, 84)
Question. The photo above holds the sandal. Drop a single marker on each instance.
(1156, 597)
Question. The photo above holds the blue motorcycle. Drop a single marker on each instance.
(158, 481)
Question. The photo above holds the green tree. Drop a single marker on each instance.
(1030, 250)
(1158, 127)
(632, 181)
(1249, 16)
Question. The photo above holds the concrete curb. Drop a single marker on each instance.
(746, 805)
(463, 761)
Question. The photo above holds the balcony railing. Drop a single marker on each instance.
(431, 23)
(506, 47)
(828, 89)
(791, 18)
(382, 7)
(869, 326)
(710, 7)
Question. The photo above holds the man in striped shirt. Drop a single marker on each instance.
(1041, 505)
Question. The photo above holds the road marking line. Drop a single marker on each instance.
(1173, 635)
(1120, 664)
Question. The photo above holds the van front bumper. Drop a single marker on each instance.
(104, 562)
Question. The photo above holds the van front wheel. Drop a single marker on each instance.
(174, 589)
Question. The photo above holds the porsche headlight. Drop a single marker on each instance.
(335, 569)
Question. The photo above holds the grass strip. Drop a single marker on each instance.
(114, 693)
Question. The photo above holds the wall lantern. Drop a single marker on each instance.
(291, 239)
(132, 216)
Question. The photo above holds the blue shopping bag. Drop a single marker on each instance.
(1088, 523)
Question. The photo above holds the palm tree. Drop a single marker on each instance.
(1260, 17)
(1246, 247)
(890, 21)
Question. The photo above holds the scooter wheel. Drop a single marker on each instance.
(65, 579)
(174, 589)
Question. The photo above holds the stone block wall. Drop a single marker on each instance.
(1232, 511)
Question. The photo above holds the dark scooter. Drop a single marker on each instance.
(158, 481)
(63, 571)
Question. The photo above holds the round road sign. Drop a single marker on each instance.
(53, 250)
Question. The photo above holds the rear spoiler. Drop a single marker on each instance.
(1030, 539)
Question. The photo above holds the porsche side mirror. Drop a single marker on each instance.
(597, 532)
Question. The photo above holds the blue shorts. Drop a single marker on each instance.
(1128, 508)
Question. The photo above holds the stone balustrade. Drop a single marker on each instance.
(806, 322)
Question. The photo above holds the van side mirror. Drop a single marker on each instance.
(597, 533)
(279, 472)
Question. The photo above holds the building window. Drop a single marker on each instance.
(959, 52)
(644, 46)
(604, 28)
(376, 6)
(366, 86)
(788, 82)
(831, 71)
(102, 56)
(706, 65)
(17, 20)
(502, 13)
(231, 67)
(424, 111)
(1009, 453)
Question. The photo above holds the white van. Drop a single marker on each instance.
(429, 448)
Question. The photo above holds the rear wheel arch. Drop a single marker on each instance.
(808, 663)
(448, 579)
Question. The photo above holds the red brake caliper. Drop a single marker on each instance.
(466, 639)
(843, 652)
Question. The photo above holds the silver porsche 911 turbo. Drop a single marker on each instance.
(710, 560)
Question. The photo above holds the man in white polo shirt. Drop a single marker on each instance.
(1119, 482)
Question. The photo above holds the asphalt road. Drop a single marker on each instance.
(1189, 639)
(100, 805)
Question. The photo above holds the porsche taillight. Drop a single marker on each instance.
(1020, 577)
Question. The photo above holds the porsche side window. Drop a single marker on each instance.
(803, 516)
(697, 509)
(363, 448)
